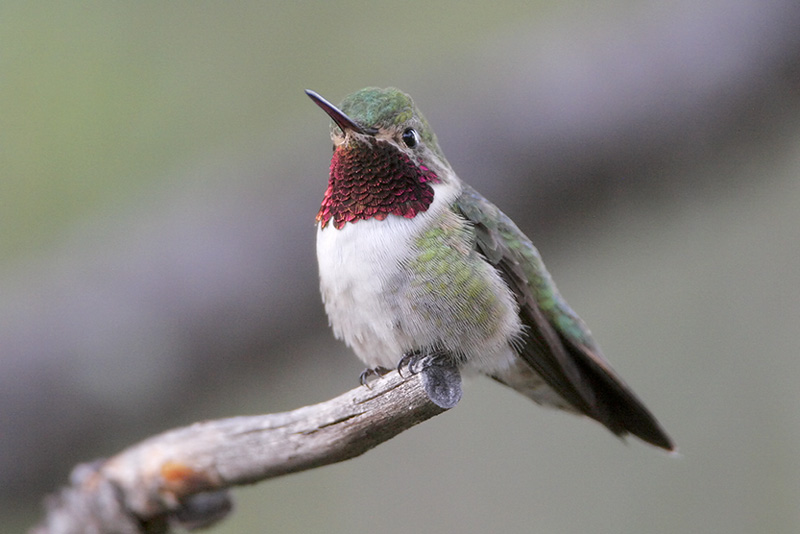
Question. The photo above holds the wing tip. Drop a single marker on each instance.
(659, 439)
(635, 419)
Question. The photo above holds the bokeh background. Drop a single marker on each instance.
(160, 169)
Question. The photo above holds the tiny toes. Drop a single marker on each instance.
(368, 373)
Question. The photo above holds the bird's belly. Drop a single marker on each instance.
(355, 264)
(388, 290)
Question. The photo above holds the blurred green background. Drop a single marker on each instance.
(160, 172)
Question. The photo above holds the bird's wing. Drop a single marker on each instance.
(557, 344)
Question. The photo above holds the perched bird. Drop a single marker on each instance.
(417, 268)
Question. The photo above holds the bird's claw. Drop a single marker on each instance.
(370, 372)
(417, 361)
(408, 360)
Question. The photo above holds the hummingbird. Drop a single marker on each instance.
(418, 269)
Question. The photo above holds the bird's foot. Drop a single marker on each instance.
(412, 361)
(440, 376)
(369, 373)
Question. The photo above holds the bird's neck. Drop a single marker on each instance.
(374, 181)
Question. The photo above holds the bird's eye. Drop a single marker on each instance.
(410, 137)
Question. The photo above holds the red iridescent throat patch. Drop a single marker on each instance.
(374, 180)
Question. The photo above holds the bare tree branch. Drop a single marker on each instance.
(181, 475)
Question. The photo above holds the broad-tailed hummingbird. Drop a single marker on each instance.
(418, 268)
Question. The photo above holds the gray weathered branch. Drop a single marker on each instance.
(181, 475)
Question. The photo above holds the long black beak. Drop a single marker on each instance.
(342, 121)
